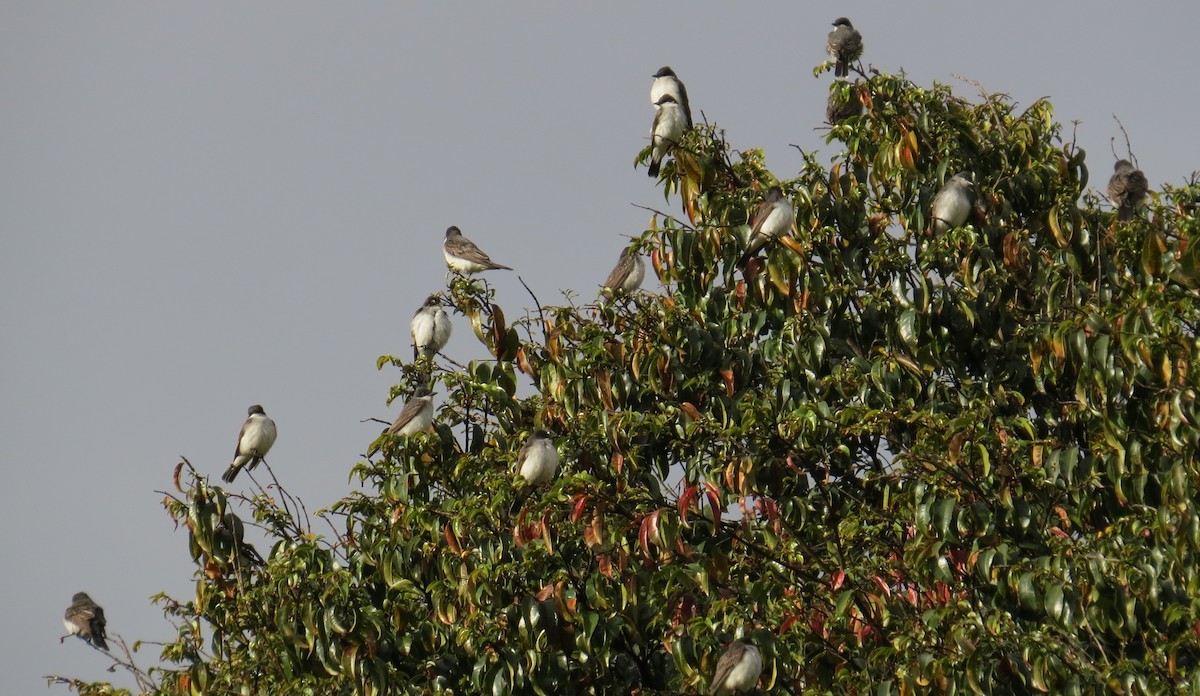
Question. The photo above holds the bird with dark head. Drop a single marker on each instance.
(665, 134)
(464, 257)
(1127, 189)
(627, 275)
(430, 328)
(85, 618)
(772, 218)
(254, 441)
(844, 45)
(667, 82)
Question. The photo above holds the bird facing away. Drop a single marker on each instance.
(668, 128)
(627, 275)
(953, 203)
(463, 256)
(255, 440)
(737, 670)
(838, 109)
(1127, 189)
(844, 45)
(85, 618)
(430, 328)
(417, 414)
(667, 82)
(538, 459)
(773, 217)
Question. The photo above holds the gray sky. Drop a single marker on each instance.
(211, 205)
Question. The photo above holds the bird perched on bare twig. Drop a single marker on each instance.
(773, 217)
(628, 274)
(463, 256)
(737, 670)
(254, 441)
(430, 328)
(667, 82)
(844, 45)
(1127, 189)
(85, 618)
(668, 128)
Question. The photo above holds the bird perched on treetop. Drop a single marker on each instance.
(953, 203)
(627, 275)
(668, 128)
(85, 618)
(538, 459)
(430, 328)
(737, 670)
(773, 217)
(255, 440)
(844, 45)
(1127, 189)
(463, 256)
(667, 82)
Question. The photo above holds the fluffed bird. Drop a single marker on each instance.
(844, 45)
(668, 128)
(538, 459)
(85, 618)
(627, 275)
(838, 109)
(430, 328)
(417, 414)
(773, 217)
(953, 203)
(667, 82)
(254, 441)
(737, 670)
(463, 256)
(1127, 189)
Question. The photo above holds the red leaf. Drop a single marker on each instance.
(839, 577)
(580, 503)
(887, 591)
(685, 502)
(714, 503)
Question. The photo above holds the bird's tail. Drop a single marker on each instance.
(498, 267)
(231, 473)
(842, 69)
(654, 167)
(98, 641)
(1124, 213)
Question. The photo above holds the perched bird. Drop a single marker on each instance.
(85, 618)
(430, 328)
(255, 440)
(669, 125)
(1127, 189)
(417, 414)
(737, 670)
(844, 45)
(953, 203)
(538, 459)
(463, 256)
(627, 275)
(667, 82)
(838, 109)
(773, 217)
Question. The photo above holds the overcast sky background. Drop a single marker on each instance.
(210, 205)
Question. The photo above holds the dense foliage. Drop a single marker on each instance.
(900, 462)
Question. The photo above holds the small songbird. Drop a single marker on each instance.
(417, 414)
(844, 45)
(628, 274)
(773, 217)
(538, 459)
(430, 328)
(668, 128)
(255, 440)
(1127, 189)
(85, 618)
(463, 256)
(737, 670)
(953, 203)
(838, 109)
(667, 82)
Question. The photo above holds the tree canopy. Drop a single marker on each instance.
(900, 462)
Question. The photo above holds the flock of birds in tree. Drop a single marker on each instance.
(740, 665)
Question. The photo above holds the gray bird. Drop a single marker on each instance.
(538, 459)
(773, 217)
(85, 618)
(844, 45)
(463, 256)
(417, 414)
(627, 275)
(430, 328)
(254, 441)
(838, 109)
(667, 82)
(1127, 189)
(668, 128)
(738, 669)
(953, 203)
